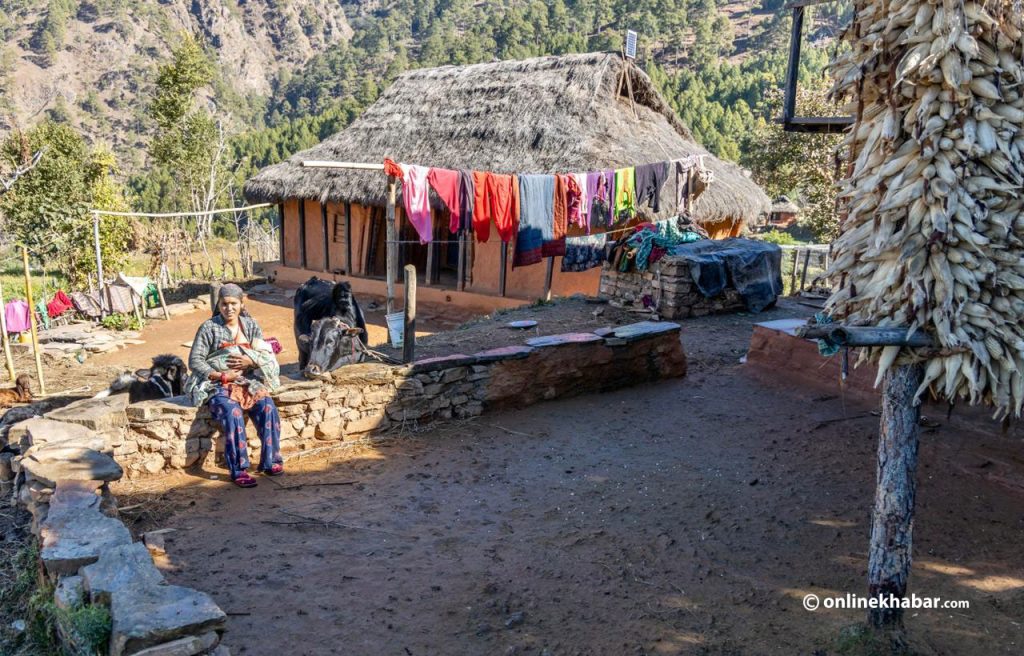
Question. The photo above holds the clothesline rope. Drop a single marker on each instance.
(170, 215)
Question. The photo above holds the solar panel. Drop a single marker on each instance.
(631, 44)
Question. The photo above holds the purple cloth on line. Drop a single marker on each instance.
(17, 316)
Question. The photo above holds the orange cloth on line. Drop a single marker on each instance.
(481, 207)
(503, 201)
(561, 207)
(393, 169)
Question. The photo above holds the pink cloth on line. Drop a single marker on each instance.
(416, 194)
(448, 184)
(18, 318)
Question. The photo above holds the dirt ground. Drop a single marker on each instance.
(272, 311)
(685, 517)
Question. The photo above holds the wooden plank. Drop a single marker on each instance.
(280, 230)
(548, 274)
(503, 271)
(302, 233)
(409, 336)
(327, 244)
(348, 239)
(391, 247)
(793, 67)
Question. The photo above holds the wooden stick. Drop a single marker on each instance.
(391, 247)
(803, 275)
(8, 358)
(792, 275)
(160, 295)
(428, 275)
(409, 336)
(503, 272)
(301, 485)
(32, 322)
(99, 261)
(547, 278)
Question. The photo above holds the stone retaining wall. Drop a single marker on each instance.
(668, 289)
(149, 437)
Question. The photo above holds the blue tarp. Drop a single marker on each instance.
(753, 267)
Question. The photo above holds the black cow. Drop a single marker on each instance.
(327, 323)
(165, 378)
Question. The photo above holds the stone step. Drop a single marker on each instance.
(40, 433)
(128, 565)
(102, 415)
(70, 463)
(151, 615)
(75, 533)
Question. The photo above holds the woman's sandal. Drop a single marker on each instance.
(275, 470)
(245, 480)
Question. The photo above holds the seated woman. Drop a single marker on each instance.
(234, 370)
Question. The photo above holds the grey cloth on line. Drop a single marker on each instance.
(650, 178)
(537, 204)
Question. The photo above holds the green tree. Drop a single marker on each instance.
(48, 208)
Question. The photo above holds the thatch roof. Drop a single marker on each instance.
(544, 115)
(783, 205)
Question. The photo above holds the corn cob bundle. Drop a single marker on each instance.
(934, 237)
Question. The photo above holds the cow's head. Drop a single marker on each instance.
(332, 343)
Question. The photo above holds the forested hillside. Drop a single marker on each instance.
(286, 73)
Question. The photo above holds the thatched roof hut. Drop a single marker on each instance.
(544, 115)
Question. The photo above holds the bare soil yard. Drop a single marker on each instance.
(685, 517)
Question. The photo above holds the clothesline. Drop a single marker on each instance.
(169, 215)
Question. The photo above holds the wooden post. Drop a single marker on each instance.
(160, 294)
(461, 285)
(409, 335)
(348, 239)
(504, 267)
(428, 275)
(792, 275)
(99, 261)
(391, 248)
(547, 278)
(327, 243)
(32, 322)
(8, 358)
(892, 521)
(280, 232)
(803, 274)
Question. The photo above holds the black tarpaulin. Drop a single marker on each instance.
(753, 268)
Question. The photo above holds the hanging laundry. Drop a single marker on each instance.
(503, 200)
(625, 194)
(650, 178)
(583, 253)
(18, 316)
(599, 195)
(467, 195)
(59, 304)
(448, 184)
(536, 236)
(393, 169)
(119, 298)
(87, 304)
(686, 181)
(561, 218)
(576, 199)
(416, 194)
(481, 207)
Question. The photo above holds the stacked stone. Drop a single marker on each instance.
(61, 476)
(71, 340)
(669, 288)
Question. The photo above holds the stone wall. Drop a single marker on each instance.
(668, 289)
(357, 400)
(61, 475)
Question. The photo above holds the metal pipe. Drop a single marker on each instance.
(854, 336)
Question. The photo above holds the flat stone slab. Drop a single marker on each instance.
(150, 615)
(71, 333)
(644, 329)
(366, 373)
(42, 433)
(69, 593)
(72, 464)
(98, 414)
(183, 646)
(177, 406)
(174, 310)
(503, 353)
(128, 565)
(300, 395)
(562, 340)
(448, 361)
(76, 533)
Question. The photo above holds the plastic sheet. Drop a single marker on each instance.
(753, 267)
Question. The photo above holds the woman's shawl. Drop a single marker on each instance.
(266, 376)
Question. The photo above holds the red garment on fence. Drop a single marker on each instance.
(59, 304)
(447, 184)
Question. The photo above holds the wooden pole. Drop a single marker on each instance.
(8, 358)
(409, 335)
(502, 273)
(461, 286)
(391, 246)
(547, 278)
(327, 243)
(803, 274)
(348, 239)
(32, 322)
(892, 521)
(163, 304)
(428, 275)
(99, 261)
(792, 275)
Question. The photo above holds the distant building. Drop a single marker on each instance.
(555, 114)
(784, 213)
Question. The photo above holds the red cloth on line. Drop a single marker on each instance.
(393, 169)
(448, 184)
(561, 207)
(503, 200)
(59, 304)
(481, 207)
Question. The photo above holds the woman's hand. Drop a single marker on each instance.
(240, 362)
(226, 376)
